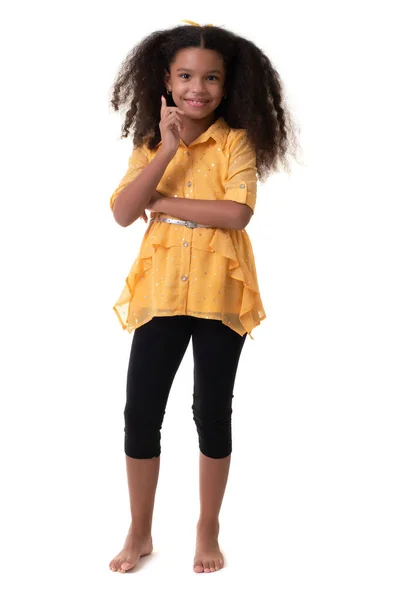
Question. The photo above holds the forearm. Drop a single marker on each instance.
(133, 199)
(226, 214)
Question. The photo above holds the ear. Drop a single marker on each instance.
(167, 79)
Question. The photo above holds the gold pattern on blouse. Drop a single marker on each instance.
(203, 272)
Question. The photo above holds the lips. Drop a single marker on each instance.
(195, 102)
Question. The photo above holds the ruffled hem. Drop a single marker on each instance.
(251, 311)
(224, 242)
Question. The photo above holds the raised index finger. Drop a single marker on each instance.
(163, 105)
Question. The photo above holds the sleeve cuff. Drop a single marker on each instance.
(242, 194)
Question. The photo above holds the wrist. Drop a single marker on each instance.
(166, 155)
(162, 204)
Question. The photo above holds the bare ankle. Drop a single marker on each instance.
(208, 523)
(140, 528)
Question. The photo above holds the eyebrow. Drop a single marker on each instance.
(190, 70)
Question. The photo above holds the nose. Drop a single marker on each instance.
(198, 85)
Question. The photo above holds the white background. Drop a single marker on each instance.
(312, 504)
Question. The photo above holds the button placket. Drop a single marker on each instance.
(185, 268)
(186, 248)
(189, 175)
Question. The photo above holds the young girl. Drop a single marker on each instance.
(206, 112)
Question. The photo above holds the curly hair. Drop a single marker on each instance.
(254, 100)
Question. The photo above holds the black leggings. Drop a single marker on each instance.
(157, 351)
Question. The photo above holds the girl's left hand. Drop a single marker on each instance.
(152, 205)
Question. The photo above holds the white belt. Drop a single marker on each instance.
(190, 224)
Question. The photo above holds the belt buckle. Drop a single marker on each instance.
(190, 224)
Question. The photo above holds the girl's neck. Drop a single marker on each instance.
(193, 128)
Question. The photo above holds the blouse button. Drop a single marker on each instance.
(189, 183)
(242, 185)
(184, 278)
(186, 244)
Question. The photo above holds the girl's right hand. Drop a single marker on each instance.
(170, 126)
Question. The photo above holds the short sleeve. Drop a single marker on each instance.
(241, 183)
(138, 160)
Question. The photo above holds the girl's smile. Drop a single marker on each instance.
(196, 103)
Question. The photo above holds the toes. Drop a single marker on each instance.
(208, 566)
(118, 566)
(112, 565)
(125, 566)
(198, 568)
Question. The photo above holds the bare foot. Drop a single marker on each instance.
(208, 557)
(135, 546)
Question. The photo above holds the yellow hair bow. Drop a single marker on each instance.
(197, 24)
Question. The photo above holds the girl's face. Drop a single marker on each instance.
(196, 80)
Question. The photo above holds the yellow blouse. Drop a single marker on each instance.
(205, 272)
